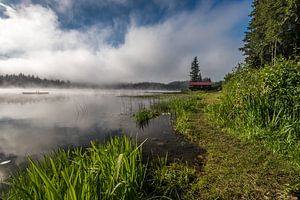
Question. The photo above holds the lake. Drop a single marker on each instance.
(34, 124)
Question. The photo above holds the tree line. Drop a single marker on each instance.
(22, 80)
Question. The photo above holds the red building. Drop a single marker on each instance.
(200, 85)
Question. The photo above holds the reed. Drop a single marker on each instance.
(110, 171)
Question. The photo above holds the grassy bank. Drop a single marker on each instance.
(180, 106)
(264, 105)
(239, 168)
(235, 167)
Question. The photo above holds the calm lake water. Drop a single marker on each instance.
(32, 124)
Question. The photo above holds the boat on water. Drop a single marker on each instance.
(36, 92)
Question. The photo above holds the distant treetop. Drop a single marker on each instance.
(22, 80)
(274, 31)
(195, 73)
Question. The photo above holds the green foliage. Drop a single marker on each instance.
(110, 171)
(264, 104)
(273, 31)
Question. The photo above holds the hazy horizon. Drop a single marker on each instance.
(121, 40)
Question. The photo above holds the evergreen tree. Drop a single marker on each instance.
(195, 73)
(274, 30)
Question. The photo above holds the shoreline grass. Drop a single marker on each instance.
(234, 168)
(111, 171)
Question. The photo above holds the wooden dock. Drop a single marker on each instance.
(37, 92)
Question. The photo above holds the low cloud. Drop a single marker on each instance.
(32, 42)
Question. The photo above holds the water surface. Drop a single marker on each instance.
(36, 124)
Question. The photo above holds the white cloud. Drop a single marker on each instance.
(31, 41)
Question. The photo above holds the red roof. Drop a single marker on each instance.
(200, 83)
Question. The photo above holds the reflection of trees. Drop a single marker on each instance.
(23, 99)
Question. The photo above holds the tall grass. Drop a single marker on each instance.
(265, 105)
(110, 171)
(182, 110)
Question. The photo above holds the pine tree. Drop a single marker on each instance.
(274, 30)
(195, 73)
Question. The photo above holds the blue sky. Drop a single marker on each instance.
(121, 40)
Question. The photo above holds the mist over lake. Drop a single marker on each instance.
(35, 124)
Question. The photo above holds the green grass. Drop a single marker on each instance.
(240, 169)
(143, 116)
(110, 171)
(264, 105)
(113, 170)
(171, 181)
(180, 106)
